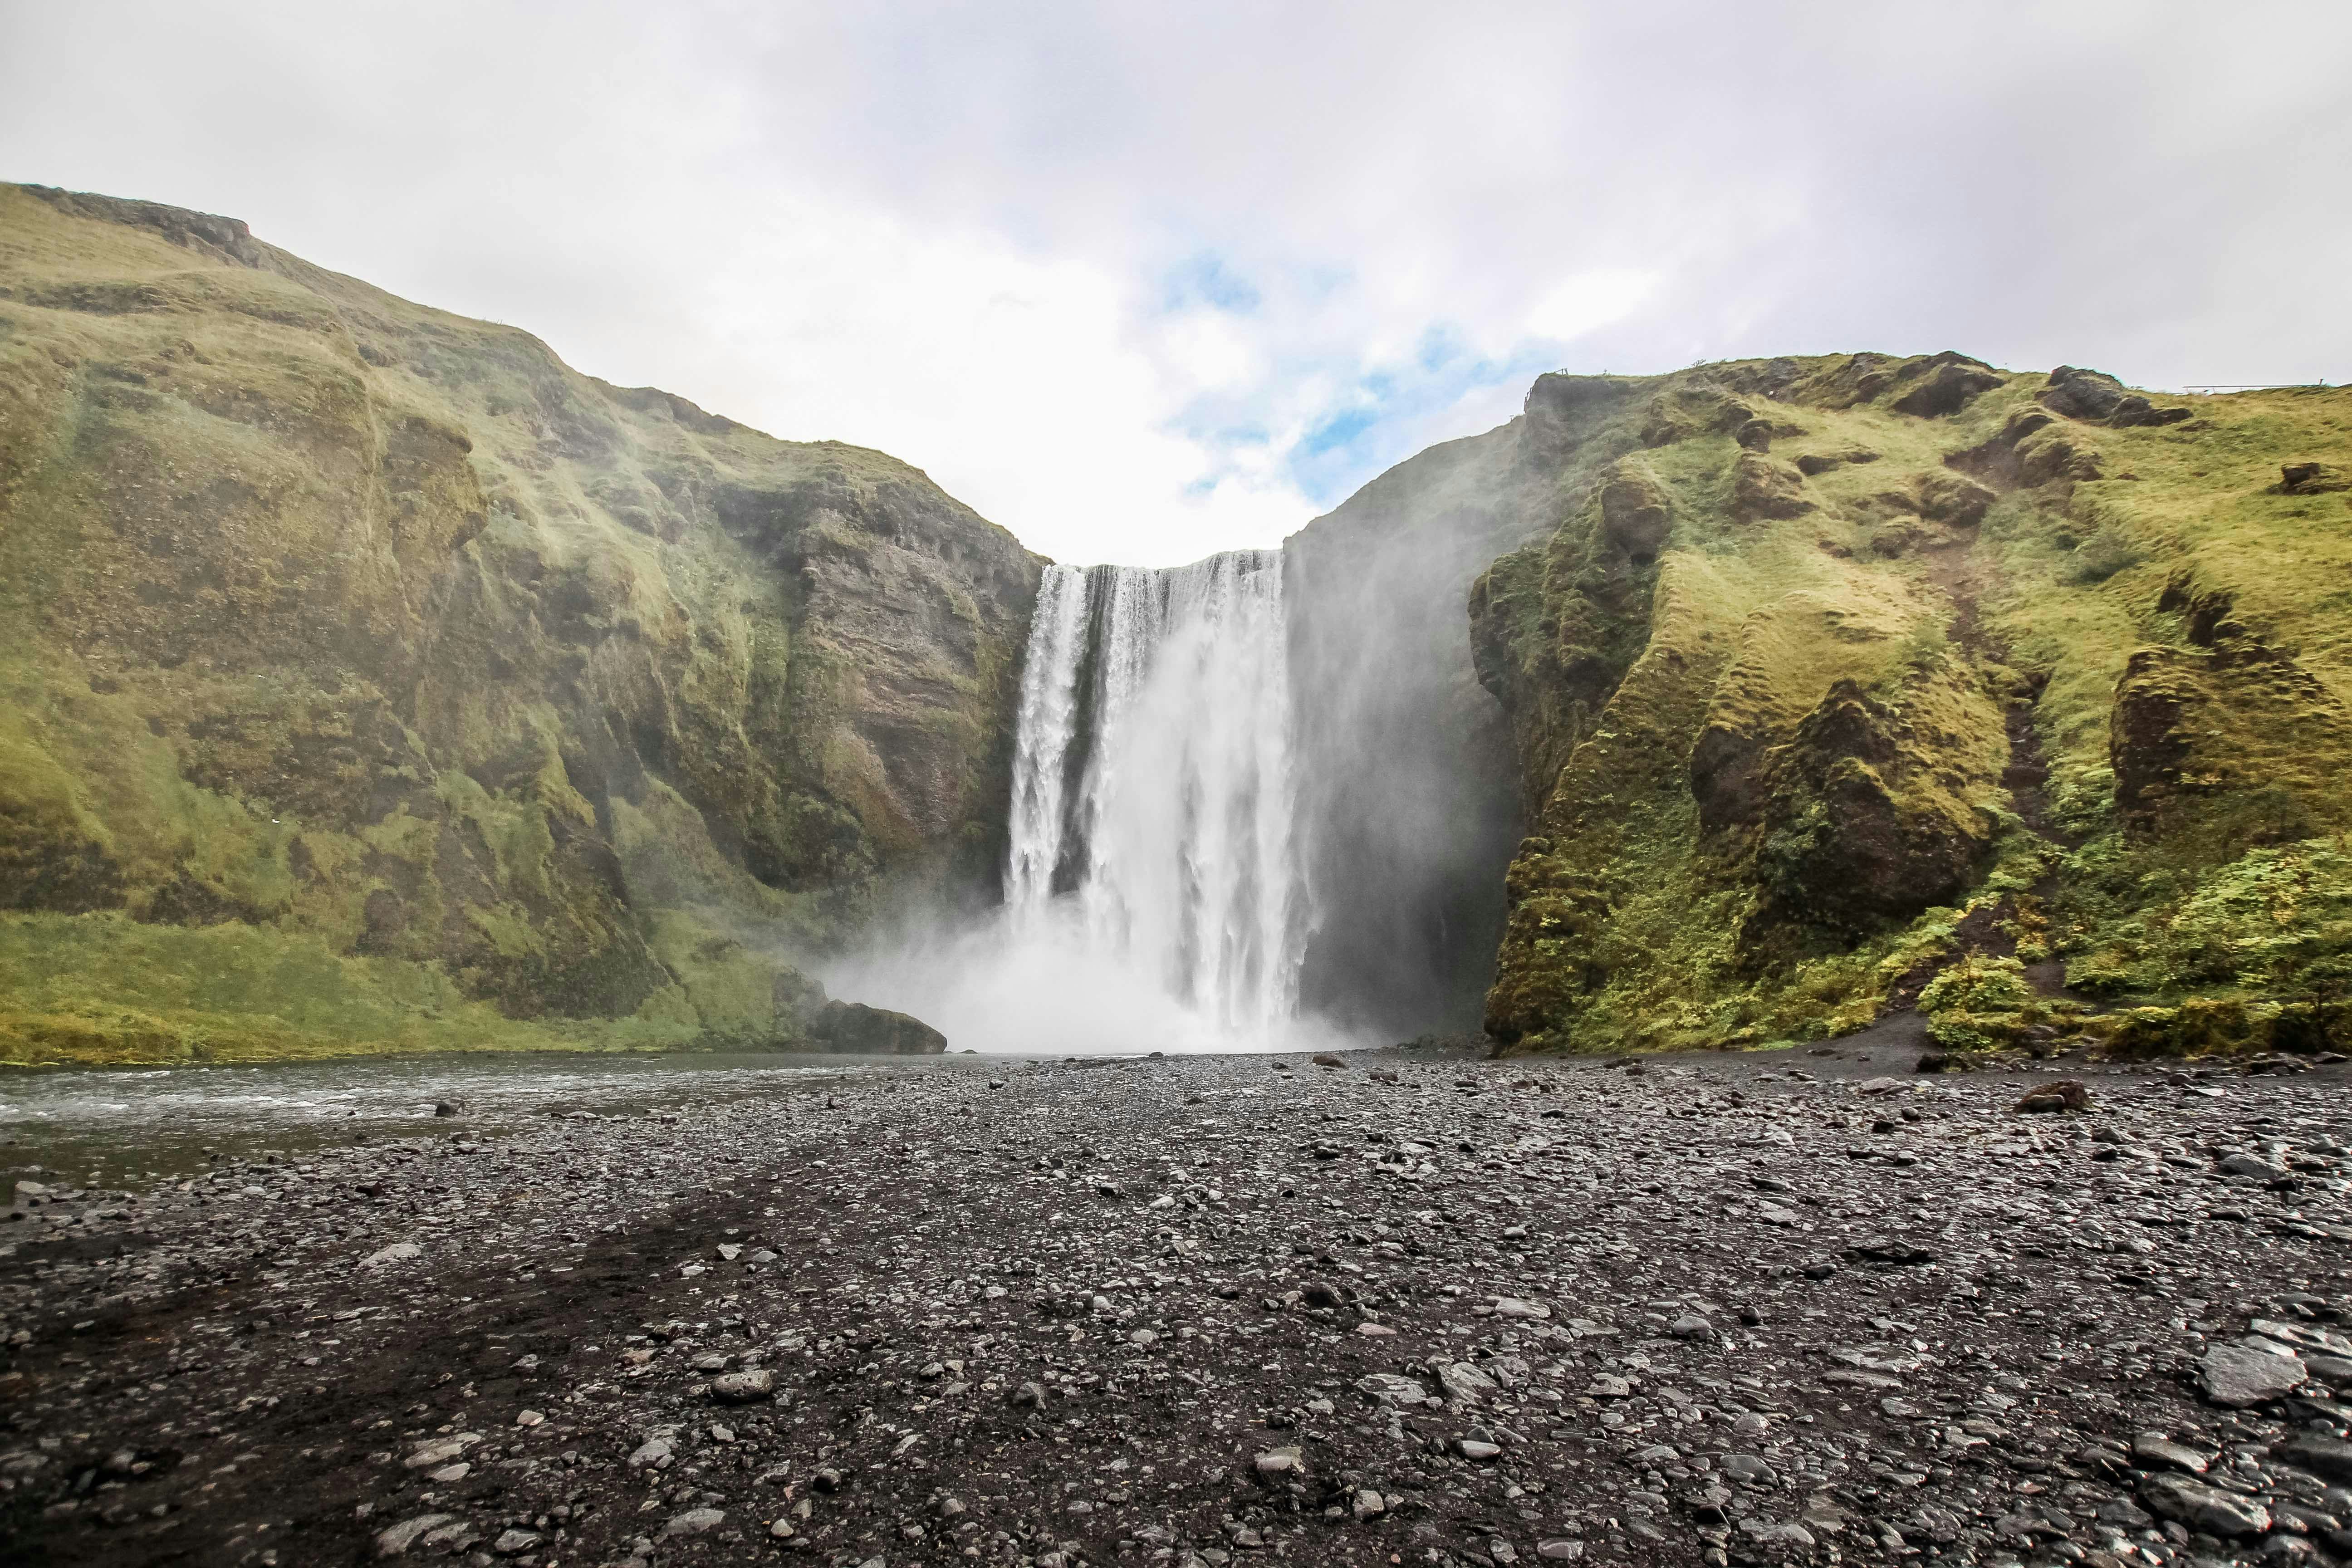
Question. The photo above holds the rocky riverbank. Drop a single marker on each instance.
(1801, 1307)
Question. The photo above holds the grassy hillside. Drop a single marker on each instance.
(1841, 680)
(465, 697)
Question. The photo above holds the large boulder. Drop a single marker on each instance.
(855, 1030)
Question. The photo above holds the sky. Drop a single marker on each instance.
(1146, 281)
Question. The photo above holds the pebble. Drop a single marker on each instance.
(1718, 1310)
(743, 1387)
(694, 1521)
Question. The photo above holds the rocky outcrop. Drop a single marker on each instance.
(2093, 397)
(333, 615)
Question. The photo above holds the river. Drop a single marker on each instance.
(128, 1127)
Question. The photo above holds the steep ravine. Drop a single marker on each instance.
(372, 680)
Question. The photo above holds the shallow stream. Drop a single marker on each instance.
(127, 1126)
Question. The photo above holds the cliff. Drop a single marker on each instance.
(1842, 684)
(371, 680)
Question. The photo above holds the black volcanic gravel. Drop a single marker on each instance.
(1212, 1311)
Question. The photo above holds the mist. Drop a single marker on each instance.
(1155, 893)
(1258, 803)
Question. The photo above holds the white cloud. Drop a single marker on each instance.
(1144, 282)
(1583, 304)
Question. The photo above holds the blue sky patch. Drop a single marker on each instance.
(1204, 280)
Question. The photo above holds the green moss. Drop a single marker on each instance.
(106, 988)
(1737, 822)
(324, 612)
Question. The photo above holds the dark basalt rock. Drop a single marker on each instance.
(1634, 513)
(2137, 410)
(854, 1028)
(1811, 463)
(1947, 383)
(2078, 393)
(2093, 397)
(2312, 478)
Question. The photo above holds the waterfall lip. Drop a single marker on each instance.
(1155, 793)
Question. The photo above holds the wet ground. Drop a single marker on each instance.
(1409, 1310)
(131, 1126)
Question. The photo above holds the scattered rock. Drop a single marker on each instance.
(396, 1541)
(2065, 1094)
(743, 1387)
(2327, 1457)
(2201, 1507)
(2235, 1376)
(2161, 1452)
(1656, 1260)
(694, 1521)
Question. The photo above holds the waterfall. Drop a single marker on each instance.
(1153, 797)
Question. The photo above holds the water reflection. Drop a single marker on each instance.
(125, 1126)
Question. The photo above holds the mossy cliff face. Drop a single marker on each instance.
(376, 645)
(1827, 675)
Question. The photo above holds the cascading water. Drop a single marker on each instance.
(1153, 802)
(1155, 896)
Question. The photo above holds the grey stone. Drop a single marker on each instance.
(441, 1451)
(2161, 1452)
(1775, 1532)
(2201, 1507)
(396, 1539)
(743, 1387)
(1391, 1388)
(2237, 1376)
(1463, 1383)
(2326, 1456)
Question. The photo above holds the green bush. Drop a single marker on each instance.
(1979, 983)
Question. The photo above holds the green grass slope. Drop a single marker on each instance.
(435, 692)
(1841, 681)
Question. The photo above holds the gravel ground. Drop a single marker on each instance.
(1206, 1310)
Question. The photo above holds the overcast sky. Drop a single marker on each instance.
(1145, 281)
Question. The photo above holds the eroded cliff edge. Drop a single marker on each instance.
(369, 679)
(1845, 683)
